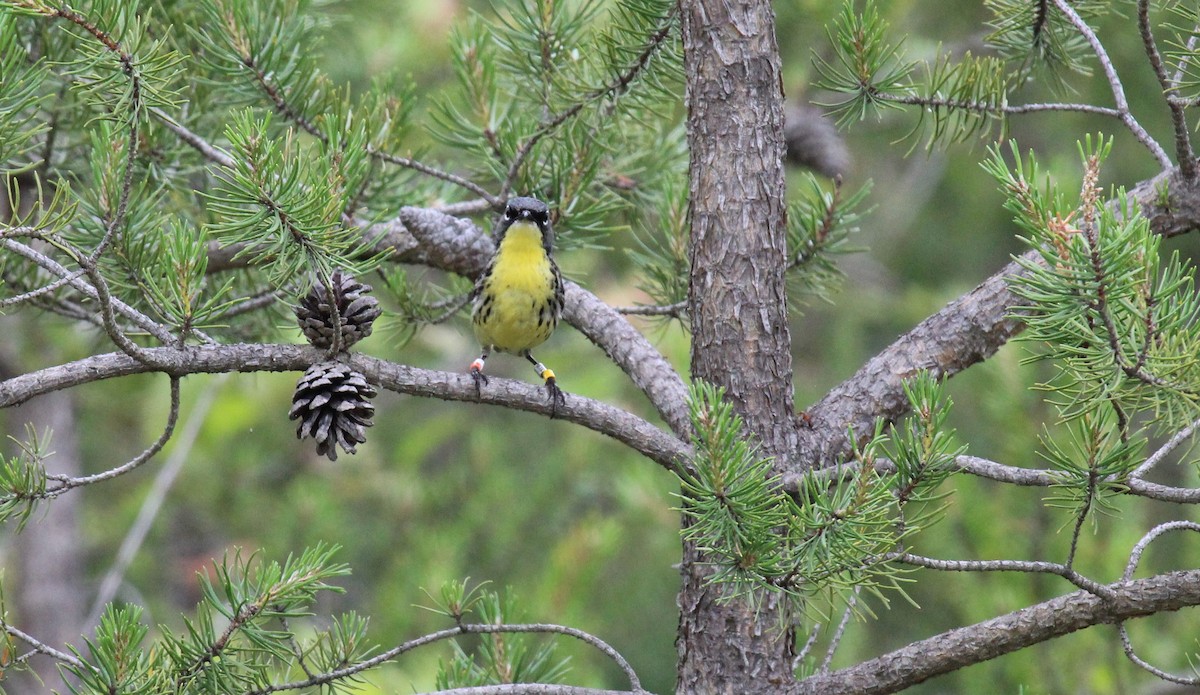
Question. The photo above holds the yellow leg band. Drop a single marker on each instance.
(547, 374)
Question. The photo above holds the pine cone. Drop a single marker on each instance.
(356, 309)
(333, 403)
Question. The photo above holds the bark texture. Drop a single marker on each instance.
(965, 332)
(737, 303)
(1005, 634)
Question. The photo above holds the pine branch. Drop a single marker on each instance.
(1013, 475)
(477, 629)
(138, 319)
(1005, 634)
(628, 429)
(967, 331)
(614, 88)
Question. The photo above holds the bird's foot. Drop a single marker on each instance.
(478, 377)
(556, 395)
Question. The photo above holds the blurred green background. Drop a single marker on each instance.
(583, 531)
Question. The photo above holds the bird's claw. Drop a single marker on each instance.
(480, 380)
(556, 395)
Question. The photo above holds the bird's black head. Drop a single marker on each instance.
(524, 208)
(531, 210)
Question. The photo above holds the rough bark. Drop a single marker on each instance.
(639, 435)
(966, 331)
(1005, 634)
(737, 304)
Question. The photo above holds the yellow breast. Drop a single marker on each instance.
(513, 311)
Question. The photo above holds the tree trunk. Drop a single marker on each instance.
(737, 304)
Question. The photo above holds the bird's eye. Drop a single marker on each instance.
(510, 213)
(541, 216)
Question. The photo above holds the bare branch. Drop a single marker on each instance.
(643, 437)
(1005, 634)
(1114, 83)
(1127, 646)
(984, 107)
(531, 689)
(42, 648)
(478, 629)
(966, 331)
(1136, 555)
(1172, 444)
(1183, 143)
(1029, 566)
(672, 310)
(1025, 477)
(493, 202)
(65, 483)
(836, 640)
(206, 149)
(75, 281)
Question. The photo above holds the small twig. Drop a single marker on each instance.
(22, 230)
(617, 86)
(295, 646)
(43, 648)
(1028, 566)
(836, 641)
(1183, 143)
(252, 303)
(997, 109)
(493, 202)
(1082, 514)
(466, 207)
(674, 310)
(464, 629)
(1114, 83)
(1001, 473)
(40, 291)
(1127, 646)
(1135, 556)
(449, 306)
(67, 483)
(206, 149)
(1184, 58)
(136, 317)
(808, 645)
(1157, 457)
(104, 301)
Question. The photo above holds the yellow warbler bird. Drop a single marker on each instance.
(519, 297)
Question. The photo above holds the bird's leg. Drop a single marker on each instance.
(477, 372)
(556, 395)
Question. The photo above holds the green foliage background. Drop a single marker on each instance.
(580, 529)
